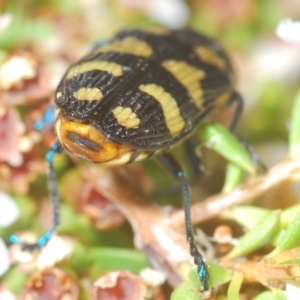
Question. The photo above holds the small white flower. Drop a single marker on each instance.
(6, 295)
(4, 261)
(152, 277)
(56, 250)
(292, 292)
(5, 21)
(170, 13)
(14, 71)
(289, 30)
(9, 211)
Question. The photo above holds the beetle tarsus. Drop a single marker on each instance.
(202, 269)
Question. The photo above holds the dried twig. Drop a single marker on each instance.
(245, 193)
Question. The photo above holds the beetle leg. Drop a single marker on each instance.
(176, 171)
(52, 185)
(238, 99)
(192, 152)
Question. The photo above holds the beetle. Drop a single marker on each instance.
(136, 96)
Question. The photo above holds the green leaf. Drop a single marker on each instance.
(266, 295)
(99, 260)
(14, 280)
(187, 290)
(233, 177)
(24, 29)
(294, 136)
(245, 215)
(279, 295)
(258, 236)
(235, 286)
(271, 295)
(218, 275)
(190, 288)
(290, 239)
(119, 258)
(288, 215)
(218, 138)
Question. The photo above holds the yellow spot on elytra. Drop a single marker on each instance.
(89, 94)
(207, 55)
(174, 121)
(128, 45)
(126, 117)
(189, 77)
(95, 65)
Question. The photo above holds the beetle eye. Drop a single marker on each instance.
(59, 98)
(78, 139)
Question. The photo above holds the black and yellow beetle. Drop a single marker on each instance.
(138, 95)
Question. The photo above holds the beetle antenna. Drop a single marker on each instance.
(52, 186)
